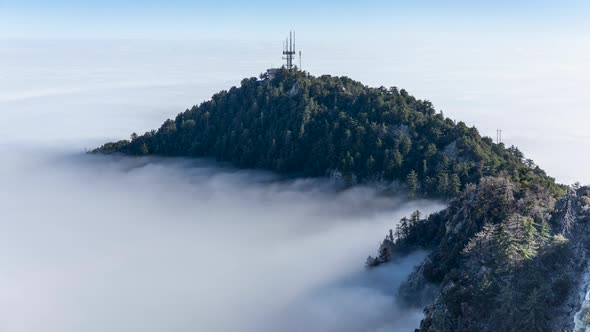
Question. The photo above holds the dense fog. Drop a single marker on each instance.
(93, 243)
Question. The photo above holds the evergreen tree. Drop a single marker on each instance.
(454, 185)
(144, 149)
(384, 253)
(443, 183)
(544, 232)
(404, 227)
(412, 182)
(415, 217)
(371, 262)
(507, 248)
(533, 318)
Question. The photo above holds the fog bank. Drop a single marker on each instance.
(94, 243)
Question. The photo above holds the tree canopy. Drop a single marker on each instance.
(296, 123)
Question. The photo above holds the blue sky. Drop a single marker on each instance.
(135, 18)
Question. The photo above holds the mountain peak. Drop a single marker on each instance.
(294, 122)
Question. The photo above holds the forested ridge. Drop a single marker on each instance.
(296, 123)
(503, 258)
(506, 255)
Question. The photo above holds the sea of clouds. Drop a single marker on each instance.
(95, 243)
(102, 243)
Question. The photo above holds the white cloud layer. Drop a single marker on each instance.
(103, 244)
(108, 244)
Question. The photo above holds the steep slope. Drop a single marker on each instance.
(503, 258)
(296, 123)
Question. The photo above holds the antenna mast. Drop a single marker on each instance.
(289, 50)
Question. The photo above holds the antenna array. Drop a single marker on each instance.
(289, 50)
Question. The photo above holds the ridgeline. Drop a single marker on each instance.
(296, 123)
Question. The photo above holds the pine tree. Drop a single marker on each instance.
(144, 149)
(443, 183)
(384, 253)
(415, 217)
(507, 250)
(398, 232)
(412, 183)
(525, 234)
(454, 185)
(534, 318)
(544, 232)
(388, 164)
(507, 313)
(371, 262)
(398, 159)
(405, 145)
(530, 235)
(370, 165)
(405, 230)
(481, 247)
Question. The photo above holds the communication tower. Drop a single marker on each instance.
(289, 50)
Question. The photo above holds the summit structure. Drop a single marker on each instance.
(289, 51)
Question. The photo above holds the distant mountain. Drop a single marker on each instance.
(296, 123)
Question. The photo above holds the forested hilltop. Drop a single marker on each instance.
(509, 253)
(296, 123)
